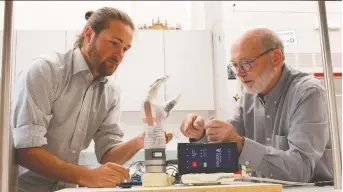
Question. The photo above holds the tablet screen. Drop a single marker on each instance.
(207, 158)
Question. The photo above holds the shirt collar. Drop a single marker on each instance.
(80, 64)
(278, 89)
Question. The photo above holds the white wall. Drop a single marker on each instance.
(282, 15)
(284, 6)
(52, 15)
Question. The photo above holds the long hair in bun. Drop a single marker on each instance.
(88, 14)
(100, 19)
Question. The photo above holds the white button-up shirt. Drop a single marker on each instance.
(56, 105)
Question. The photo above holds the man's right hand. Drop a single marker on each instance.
(107, 175)
(193, 126)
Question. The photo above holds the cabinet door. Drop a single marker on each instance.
(189, 63)
(141, 66)
(31, 44)
(71, 37)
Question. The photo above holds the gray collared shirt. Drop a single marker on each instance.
(287, 131)
(56, 105)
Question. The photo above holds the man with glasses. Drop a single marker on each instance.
(280, 124)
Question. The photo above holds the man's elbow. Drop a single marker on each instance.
(301, 173)
(109, 156)
(23, 155)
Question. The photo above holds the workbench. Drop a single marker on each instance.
(241, 187)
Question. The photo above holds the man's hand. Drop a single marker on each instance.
(169, 137)
(220, 131)
(107, 175)
(193, 126)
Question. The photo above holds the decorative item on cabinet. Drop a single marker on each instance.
(159, 26)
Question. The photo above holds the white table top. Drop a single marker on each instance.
(285, 189)
(310, 189)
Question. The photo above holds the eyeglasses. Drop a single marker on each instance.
(247, 65)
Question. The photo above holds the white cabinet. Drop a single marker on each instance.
(141, 66)
(31, 44)
(186, 56)
(71, 37)
(189, 63)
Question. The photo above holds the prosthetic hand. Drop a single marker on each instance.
(155, 140)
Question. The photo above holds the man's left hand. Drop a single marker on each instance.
(220, 131)
(169, 136)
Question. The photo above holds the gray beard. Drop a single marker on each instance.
(262, 82)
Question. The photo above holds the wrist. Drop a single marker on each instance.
(197, 139)
(139, 142)
(82, 176)
(240, 143)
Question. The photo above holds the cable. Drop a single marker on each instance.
(173, 167)
(318, 183)
(279, 181)
(141, 162)
(138, 172)
(176, 175)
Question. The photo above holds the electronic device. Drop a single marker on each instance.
(129, 184)
(207, 158)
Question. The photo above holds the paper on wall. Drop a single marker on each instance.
(288, 37)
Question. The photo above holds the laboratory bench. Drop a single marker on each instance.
(244, 187)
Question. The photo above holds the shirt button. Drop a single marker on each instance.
(271, 175)
(79, 129)
(268, 139)
(73, 151)
(275, 102)
(268, 116)
(247, 163)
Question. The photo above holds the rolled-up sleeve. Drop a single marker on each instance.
(109, 133)
(32, 100)
(307, 139)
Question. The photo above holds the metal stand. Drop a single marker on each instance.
(330, 93)
(5, 157)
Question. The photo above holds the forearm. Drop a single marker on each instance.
(46, 164)
(123, 152)
(288, 165)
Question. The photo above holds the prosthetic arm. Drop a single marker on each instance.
(155, 139)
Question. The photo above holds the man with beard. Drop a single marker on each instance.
(280, 124)
(63, 101)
